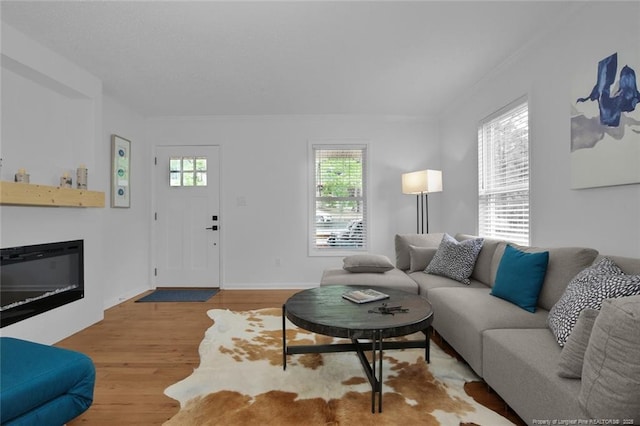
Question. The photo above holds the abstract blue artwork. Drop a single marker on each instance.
(605, 127)
(625, 99)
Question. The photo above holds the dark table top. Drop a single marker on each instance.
(323, 310)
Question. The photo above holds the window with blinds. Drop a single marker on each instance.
(503, 182)
(339, 202)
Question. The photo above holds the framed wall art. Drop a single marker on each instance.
(120, 172)
(605, 122)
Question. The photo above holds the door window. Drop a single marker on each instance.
(187, 171)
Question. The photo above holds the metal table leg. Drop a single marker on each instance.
(372, 369)
(427, 345)
(380, 374)
(374, 380)
(284, 338)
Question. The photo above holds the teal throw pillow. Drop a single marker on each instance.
(520, 277)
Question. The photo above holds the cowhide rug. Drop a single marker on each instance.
(240, 381)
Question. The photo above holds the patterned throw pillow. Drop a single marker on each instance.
(588, 289)
(455, 259)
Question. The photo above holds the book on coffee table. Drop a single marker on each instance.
(365, 296)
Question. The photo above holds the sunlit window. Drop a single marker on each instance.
(503, 181)
(339, 199)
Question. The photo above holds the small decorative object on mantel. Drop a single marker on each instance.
(82, 177)
(66, 181)
(22, 176)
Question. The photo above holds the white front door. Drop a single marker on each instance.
(187, 219)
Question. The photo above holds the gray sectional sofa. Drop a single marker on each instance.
(512, 349)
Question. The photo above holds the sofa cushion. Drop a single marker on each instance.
(427, 282)
(420, 257)
(455, 259)
(482, 270)
(588, 289)
(564, 264)
(461, 314)
(367, 263)
(611, 371)
(520, 276)
(572, 355)
(518, 365)
(394, 278)
(403, 241)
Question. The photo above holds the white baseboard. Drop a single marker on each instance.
(268, 286)
(228, 286)
(128, 295)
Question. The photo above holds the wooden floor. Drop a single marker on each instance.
(139, 349)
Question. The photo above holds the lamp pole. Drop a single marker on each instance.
(417, 214)
(426, 200)
(422, 209)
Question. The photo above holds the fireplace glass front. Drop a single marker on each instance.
(37, 278)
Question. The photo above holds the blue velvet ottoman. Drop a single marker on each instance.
(43, 385)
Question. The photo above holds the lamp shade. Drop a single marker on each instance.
(423, 181)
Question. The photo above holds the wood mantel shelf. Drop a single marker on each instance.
(25, 194)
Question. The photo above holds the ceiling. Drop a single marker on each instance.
(197, 58)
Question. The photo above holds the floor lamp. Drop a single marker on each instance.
(420, 184)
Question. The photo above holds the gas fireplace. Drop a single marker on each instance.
(37, 278)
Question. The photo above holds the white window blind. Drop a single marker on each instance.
(503, 183)
(339, 203)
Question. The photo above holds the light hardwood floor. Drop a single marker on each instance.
(139, 349)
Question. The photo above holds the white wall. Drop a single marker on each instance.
(51, 119)
(607, 219)
(125, 231)
(55, 117)
(265, 159)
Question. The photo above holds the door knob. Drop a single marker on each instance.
(213, 228)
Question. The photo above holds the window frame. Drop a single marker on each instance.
(337, 144)
(512, 107)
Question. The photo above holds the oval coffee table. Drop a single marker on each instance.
(323, 310)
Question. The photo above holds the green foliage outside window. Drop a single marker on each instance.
(339, 177)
